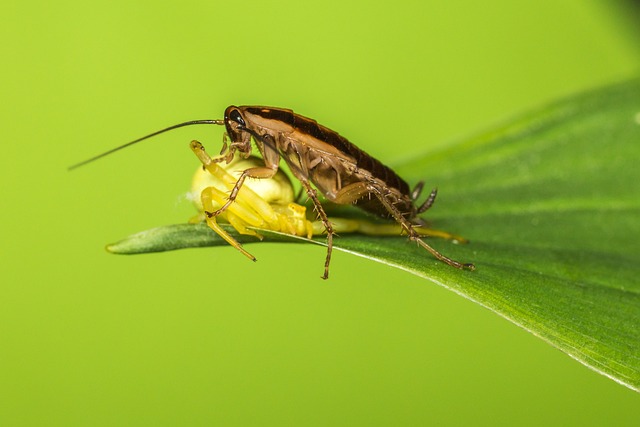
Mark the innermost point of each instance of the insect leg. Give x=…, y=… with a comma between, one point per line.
x=413, y=234
x=325, y=221
x=357, y=190
x=258, y=172
x=271, y=159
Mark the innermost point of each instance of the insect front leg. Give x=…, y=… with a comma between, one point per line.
x=257, y=173
x=270, y=168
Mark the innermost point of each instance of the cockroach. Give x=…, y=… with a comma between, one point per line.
x=317, y=156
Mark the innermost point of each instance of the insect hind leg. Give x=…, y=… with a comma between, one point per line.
x=356, y=190
x=413, y=234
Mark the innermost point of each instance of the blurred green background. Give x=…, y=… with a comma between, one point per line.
x=204, y=337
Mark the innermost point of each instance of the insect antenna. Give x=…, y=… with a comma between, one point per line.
x=113, y=150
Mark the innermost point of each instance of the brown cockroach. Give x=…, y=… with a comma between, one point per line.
x=320, y=157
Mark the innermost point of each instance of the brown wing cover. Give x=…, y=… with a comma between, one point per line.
x=363, y=160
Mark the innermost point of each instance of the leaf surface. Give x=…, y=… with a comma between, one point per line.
x=551, y=205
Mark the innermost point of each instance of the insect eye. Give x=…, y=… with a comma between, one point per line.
x=236, y=117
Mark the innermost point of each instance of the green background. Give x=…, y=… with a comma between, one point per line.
x=204, y=337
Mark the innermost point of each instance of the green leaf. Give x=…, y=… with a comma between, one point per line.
x=551, y=205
